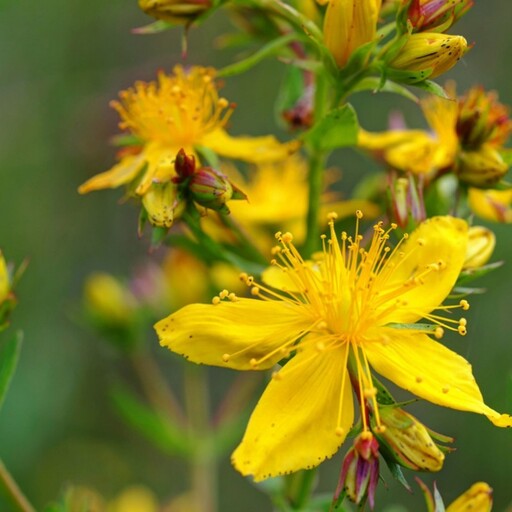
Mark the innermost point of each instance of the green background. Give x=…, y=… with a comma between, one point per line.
x=61, y=62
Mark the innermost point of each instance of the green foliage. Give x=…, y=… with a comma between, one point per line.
x=9, y=356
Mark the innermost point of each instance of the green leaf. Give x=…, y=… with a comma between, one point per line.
x=9, y=355
x=376, y=85
x=397, y=473
x=126, y=140
x=466, y=276
x=266, y=51
x=339, y=128
x=154, y=28
x=438, y=500
x=155, y=427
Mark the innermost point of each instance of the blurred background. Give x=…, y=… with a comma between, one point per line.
x=62, y=62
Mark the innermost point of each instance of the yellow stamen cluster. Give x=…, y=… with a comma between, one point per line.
x=177, y=109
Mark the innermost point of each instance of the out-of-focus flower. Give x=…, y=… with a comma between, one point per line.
x=360, y=470
x=478, y=498
x=175, y=11
x=436, y=15
x=406, y=200
x=347, y=306
x=108, y=300
x=5, y=279
x=181, y=110
x=8, y=280
x=467, y=138
x=481, y=243
x=278, y=197
x=495, y=205
x=348, y=25
x=134, y=499
x=407, y=441
x=429, y=53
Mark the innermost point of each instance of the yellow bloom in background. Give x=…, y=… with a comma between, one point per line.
x=478, y=498
x=343, y=310
x=134, y=499
x=277, y=195
x=180, y=110
x=175, y=11
x=5, y=279
x=430, y=53
x=348, y=25
x=495, y=205
x=481, y=244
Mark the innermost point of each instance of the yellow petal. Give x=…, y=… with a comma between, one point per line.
x=245, y=329
x=438, y=239
x=250, y=149
x=431, y=371
x=294, y=425
x=121, y=174
x=492, y=205
x=478, y=498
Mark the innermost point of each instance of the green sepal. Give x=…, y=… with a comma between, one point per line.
x=432, y=88
x=375, y=85
x=154, y=28
x=126, y=140
x=9, y=356
x=408, y=76
x=358, y=60
x=397, y=473
x=438, y=501
x=384, y=397
x=155, y=427
x=339, y=128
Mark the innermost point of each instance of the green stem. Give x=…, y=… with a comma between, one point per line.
x=317, y=161
x=156, y=387
x=301, y=488
x=13, y=492
x=203, y=470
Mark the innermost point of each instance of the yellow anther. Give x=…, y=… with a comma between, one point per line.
x=463, y=321
x=255, y=290
x=464, y=304
x=275, y=250
x=322, y=325
x=232, y=297
x=332, y=216
x=287, y=237
x=320, y=346
x=222, y=103
x=340, y=432
x=442, y=264
x=223, y=294
x=278, y=235
x=462, y=330
x=406, y=236
x=439, y=332
x=249, y=280
x=359, y=214
x=445, y=390
x=394, y=225
x=419, y=379
x=243, y=276
x=380, y=429
x=421, y=242
x=253, y=362
x=216, y=300
x=225, y=357
x=366, y=435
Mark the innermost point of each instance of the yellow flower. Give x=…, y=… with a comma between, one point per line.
x=134, y=499
x=478, y=498
x=430, y=53
x=348, y=25
x=436, y=15
x=349, y=311
x=175, y=11
x=5, y=279
x=495, y=205
x=178, y=111
x=278, y=198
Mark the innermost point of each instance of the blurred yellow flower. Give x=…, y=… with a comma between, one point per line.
x=134, y=499
x=5, y=279
x=478, y=498
x=180, y=110
x=495, y=205
x=344, y=310
x=481, y=243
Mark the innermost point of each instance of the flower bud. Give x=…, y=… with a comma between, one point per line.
x=436, y=15
x=175, y=11
x=107, y=300
x=348, y=25
x=163, y=204
x=212, y=189
x=7, y=298
x=481, y=243
x=481, y=168
x=360, y=470
x=431, y=54
x=5, y=279
x=407, y=442
x=478, y=498
x=406, y=200
x=184, y=165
